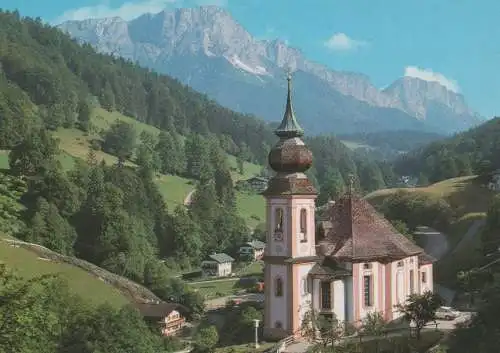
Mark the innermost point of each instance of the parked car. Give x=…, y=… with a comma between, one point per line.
x=447, y=313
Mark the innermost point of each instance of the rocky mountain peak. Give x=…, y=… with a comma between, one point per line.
x=416, y=94
x=207, y=48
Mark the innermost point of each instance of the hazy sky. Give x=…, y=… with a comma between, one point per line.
x=456, y=42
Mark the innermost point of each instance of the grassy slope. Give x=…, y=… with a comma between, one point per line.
x=466, y=196
x=470, y=200
x=29, y=264
x=174, y=189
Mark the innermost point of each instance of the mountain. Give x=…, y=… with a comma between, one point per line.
x=205, y=48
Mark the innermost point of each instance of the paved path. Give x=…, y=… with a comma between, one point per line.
x=434, y=243
x=189, y=197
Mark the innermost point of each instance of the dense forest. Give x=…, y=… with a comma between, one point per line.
x=389, y=145
x=475, y=151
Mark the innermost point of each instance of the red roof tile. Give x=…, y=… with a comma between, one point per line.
x=358, y=232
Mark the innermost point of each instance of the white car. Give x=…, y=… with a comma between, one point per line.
x=447, y=313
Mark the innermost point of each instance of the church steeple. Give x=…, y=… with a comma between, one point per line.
x=289, y=127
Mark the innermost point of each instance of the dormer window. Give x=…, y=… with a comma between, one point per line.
x=303, y=225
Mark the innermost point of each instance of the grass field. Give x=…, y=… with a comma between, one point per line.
x=252, y=208
x=4, y=159
x=217, y=288
x=28, y=264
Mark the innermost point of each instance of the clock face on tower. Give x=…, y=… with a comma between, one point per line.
x=278, y=236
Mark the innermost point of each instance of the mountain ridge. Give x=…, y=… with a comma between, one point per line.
x=207, y=49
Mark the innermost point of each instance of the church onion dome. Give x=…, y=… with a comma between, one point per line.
x=290, y=155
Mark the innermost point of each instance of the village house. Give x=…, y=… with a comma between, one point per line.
x=169, y=318
x=252, y=250
x=217, y=265
x=350, y=263
x=256, y=183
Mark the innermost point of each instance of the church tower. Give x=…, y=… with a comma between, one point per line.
x=291, y=246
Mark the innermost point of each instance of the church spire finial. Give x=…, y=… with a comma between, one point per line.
x=289, y=126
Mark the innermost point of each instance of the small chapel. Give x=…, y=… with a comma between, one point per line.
x=350, y=263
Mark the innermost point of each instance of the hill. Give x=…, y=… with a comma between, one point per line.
x=389, y=144
x=469, y=199
x=238, y=70
x=466, y=195
x=88, y=281
x=475, y=151
x=174, y=189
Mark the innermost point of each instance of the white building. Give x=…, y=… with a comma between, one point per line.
x=356, y=263
x=218, y=265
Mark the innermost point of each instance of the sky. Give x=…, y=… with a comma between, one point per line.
x=454, y=42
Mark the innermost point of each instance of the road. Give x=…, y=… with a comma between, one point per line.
x=434, y=243
x=220, y=302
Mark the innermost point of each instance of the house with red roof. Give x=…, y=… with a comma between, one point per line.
x=351, y=263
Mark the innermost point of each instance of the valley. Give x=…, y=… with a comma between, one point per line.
x=135, y=159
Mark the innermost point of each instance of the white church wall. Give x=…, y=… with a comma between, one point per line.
x=278, y=305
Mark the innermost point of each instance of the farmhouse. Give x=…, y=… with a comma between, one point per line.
x=169, y=318
x=350, y=263
x=218, y=265
x=252, y=250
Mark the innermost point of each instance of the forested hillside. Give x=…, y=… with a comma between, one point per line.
x=113, y=214
x=389, y=144
x=476, y=151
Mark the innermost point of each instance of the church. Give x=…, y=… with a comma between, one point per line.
x=350, y=263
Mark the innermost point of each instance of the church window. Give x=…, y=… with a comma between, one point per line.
x=424, y=277
x=278, y=325
x=278, y=219
x=303, y=225
x=305, y=287
x=278, y=290
x=326, y=295
x=367, y=290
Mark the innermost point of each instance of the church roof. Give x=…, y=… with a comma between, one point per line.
x=356, y=231
x=329, y=268
x=426, y=259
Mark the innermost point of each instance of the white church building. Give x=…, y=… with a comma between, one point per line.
x=351, y=263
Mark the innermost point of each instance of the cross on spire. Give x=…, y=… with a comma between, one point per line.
x=289, y=126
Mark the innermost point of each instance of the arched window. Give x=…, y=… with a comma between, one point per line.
x=278, y=290
x=303, y=225
x=278, y=325
x=278, y=220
